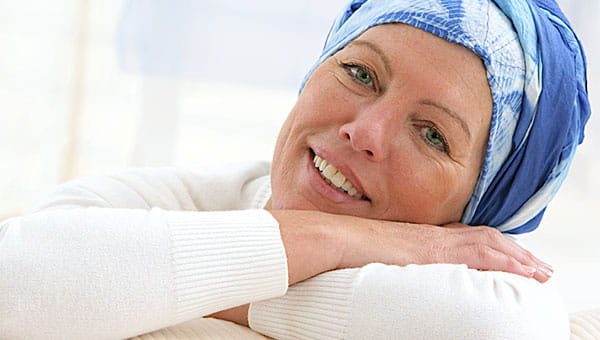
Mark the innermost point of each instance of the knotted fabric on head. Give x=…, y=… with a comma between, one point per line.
x=536, y=71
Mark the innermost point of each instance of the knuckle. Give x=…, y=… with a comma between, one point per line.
x=491, y=234
x=479, y=231
x=529, y=256
x=488, y=235
x=512, y=264
x=482, y=252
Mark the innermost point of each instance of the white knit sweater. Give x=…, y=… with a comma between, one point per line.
x=111, y=257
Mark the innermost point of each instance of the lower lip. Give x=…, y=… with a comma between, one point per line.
x=326, y=190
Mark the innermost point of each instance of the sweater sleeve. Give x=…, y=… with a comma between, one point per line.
x=114, y=257
x=437, y=301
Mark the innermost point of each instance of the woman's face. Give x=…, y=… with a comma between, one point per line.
x=400, y=118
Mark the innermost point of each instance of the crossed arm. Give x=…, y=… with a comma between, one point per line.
x=96, y=242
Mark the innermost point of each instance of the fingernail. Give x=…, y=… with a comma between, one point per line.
x=530, y=270
x=546, y=270
x=546, y=265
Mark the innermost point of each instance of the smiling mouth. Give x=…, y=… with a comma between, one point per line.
x=336, y=179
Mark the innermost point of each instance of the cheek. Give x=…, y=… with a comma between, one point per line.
x=450, y=193
x=326, y=99
x=430, y=191
x=434, y=183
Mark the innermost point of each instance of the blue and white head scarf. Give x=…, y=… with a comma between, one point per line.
x=536, y=71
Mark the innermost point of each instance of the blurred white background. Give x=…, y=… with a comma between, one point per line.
x=94, y=86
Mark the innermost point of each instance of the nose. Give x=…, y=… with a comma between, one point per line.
x=369, y=133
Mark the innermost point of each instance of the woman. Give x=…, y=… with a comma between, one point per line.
x=418, y=115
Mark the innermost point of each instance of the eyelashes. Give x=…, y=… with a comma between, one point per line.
x=361, y=75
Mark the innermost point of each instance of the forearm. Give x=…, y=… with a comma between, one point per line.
x=439, y=301
x=69, y=273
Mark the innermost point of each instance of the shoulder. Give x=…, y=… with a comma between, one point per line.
x=226, y=187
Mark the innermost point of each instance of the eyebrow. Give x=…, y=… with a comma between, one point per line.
x=451, y=113
x=377, y=50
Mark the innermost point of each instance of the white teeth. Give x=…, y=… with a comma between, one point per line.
x=318, y=161
x=323, y=165
x=347, y=185
x=353, y=192
x=338, y=179
x=329, y=171
x=335, y=178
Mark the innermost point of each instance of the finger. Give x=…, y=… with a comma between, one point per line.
x=486, y=258
x=496, y=240
x=544, y=273
x=543, y=270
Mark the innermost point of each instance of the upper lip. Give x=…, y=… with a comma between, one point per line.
x=341, y=167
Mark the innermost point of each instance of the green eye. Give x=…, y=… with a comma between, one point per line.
x=363, y=76
x=360, y=74
x=436, y=139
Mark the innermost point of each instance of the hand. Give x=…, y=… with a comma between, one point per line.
x=316, y=242
x=480, y=247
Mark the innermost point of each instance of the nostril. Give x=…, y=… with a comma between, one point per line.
x=369, y=152
x=346, y=135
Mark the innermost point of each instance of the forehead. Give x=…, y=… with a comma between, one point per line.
x=398, y=39
x=413, y=56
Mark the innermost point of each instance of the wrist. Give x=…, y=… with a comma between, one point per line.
x=238, y=315
x=314, y=242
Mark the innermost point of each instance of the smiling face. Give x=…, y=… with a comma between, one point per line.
x=392, y=127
